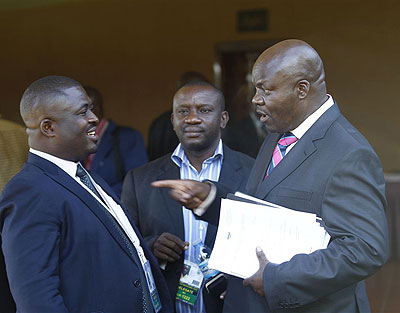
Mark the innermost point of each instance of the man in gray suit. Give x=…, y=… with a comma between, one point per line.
x=314, y=161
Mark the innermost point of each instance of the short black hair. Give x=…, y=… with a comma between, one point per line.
x=221, y=98
x=42, y=90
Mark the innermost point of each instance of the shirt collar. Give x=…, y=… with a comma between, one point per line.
x=179, y=156
x=67, y=166
x=300, y=130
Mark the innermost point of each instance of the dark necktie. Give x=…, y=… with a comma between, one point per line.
x=84, y=177
x=280, y=150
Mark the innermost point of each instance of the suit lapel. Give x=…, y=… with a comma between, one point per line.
x=303, y=149
x=62, y=178
x=174, y=209
x=300, y=152
x=261, y=164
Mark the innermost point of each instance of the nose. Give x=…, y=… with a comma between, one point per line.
x=192, y=118
x=257, y=99
x=93, y=119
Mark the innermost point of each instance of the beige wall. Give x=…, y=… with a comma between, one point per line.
x=134, y=52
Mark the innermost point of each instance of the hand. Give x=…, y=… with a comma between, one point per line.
x=169, y=247
x=189, y=193
x=256, y=281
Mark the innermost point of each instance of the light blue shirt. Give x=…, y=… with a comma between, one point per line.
x=195, y=230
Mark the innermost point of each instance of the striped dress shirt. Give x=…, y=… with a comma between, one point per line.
x=195, y=230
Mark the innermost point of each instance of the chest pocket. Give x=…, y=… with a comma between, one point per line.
x=297, y=199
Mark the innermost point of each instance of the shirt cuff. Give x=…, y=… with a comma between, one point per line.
x=202, y=208
x=163, y=265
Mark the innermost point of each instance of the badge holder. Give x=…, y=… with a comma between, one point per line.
x=155, y=298
x=189, y=286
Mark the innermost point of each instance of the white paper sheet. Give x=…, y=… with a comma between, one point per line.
x=280, y=232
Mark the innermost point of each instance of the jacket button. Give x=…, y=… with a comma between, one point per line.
x=136, y=283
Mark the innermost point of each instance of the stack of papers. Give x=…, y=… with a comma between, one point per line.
x=247, y=222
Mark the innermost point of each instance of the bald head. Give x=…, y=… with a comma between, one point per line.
x=290, y=84
x=296, y=60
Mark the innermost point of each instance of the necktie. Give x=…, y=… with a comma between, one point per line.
x=84, y=177
x=280, y=150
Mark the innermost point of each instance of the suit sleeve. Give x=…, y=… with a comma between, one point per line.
x=353, y=209
x=211, y=215
x=129, y=200
x=31, y=227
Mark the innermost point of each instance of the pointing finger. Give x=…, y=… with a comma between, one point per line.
x=168, y=183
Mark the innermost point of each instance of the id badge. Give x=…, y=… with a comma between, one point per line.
x=189, y=283
x=155, y=298
x=204, y=253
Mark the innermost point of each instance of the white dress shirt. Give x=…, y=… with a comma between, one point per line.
x=111, y=206
x=300, y=130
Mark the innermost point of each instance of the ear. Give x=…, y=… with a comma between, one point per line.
x=303, y=88
x=224, y=119
x=47, y=127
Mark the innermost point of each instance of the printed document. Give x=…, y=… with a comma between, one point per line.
x=247, y=222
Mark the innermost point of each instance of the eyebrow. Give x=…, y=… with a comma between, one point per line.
x=85, y=105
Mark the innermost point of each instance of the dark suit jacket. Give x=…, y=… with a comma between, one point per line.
x=331, y=171
x=62, y=251
x=132, y=153
x=154, y=212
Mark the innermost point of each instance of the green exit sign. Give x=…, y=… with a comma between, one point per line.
x=252, y=20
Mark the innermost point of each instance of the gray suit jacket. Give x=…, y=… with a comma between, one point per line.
x=331, y=171
x=154, y=212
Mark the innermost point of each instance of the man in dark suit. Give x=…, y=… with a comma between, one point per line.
x=170, y=230
x=119, y=149
x=313, y=161
x=67, y=242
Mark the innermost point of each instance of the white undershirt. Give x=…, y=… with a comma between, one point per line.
x=112, y=207
x=300, y=130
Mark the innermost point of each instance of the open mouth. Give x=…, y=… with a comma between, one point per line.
x=91, y=133
x=262, y=115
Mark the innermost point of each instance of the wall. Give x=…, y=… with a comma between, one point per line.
x=134, y=52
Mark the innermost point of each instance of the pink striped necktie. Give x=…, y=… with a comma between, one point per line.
x=280, y=150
